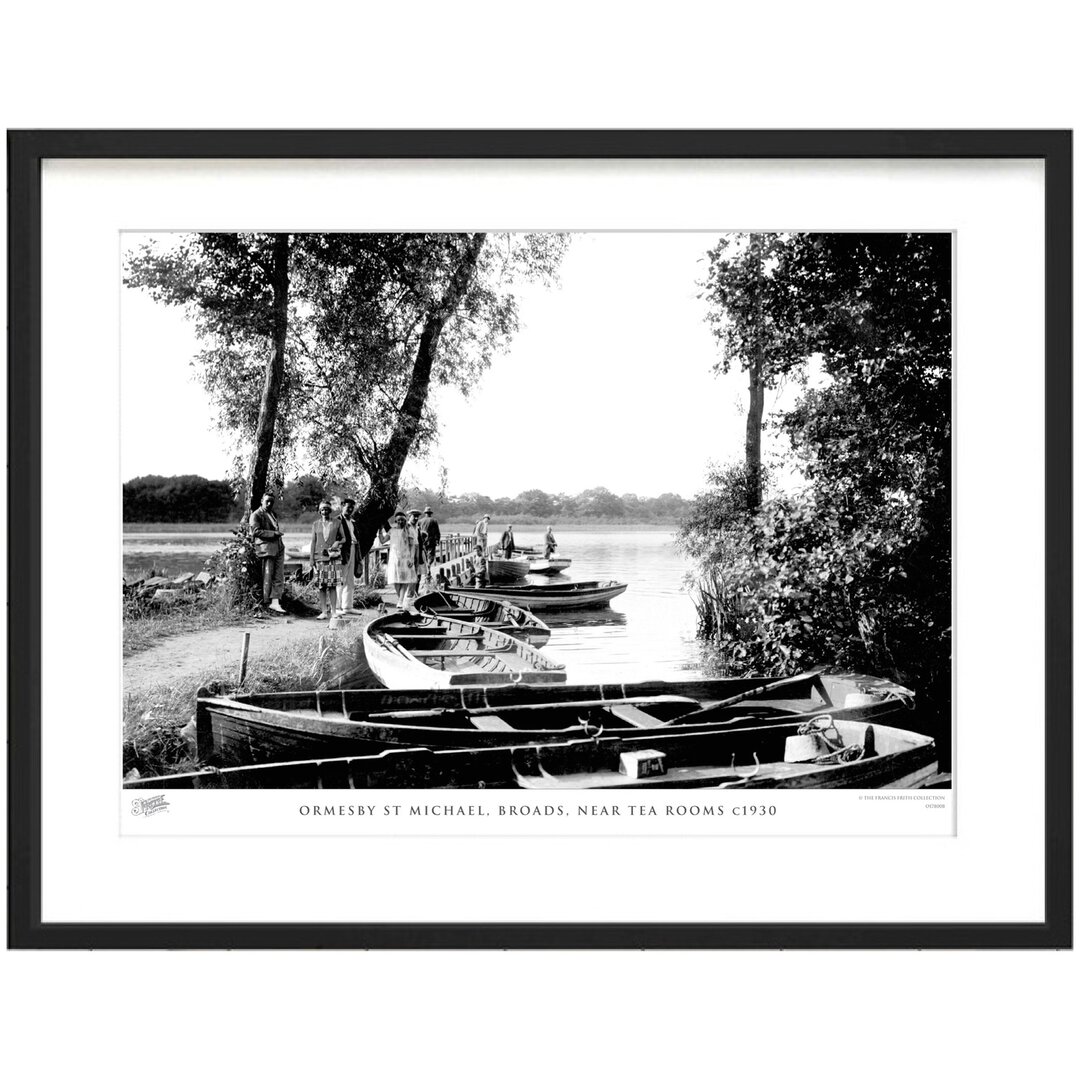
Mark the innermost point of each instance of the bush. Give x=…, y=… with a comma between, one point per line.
x=239, y=571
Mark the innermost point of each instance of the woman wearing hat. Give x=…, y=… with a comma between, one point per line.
x=402, y=565
x=328, y=540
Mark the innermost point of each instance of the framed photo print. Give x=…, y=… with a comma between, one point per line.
x=540, y=539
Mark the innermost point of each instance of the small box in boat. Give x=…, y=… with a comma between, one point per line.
x=641, y=763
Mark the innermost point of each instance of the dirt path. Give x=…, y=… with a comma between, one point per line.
x=188, y=655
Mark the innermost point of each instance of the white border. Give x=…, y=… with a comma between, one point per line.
x=88, y=874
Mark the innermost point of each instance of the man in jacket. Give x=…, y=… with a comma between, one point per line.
x=270, y=549
x=348, y=557
x=430, y=535
x=506, y=542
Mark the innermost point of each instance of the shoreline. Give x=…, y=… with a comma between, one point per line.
x=222, y=528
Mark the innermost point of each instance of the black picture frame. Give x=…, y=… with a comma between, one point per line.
x=26, y=152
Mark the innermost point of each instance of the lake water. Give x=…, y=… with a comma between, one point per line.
x=648, y=632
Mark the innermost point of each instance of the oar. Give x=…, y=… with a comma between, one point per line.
x=756, y=692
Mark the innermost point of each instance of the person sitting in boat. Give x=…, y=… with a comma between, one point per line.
x=549, y=543
x=328, y=539
x=479, y=567
x=402, y=565
x=442, y=582
x=506, y=542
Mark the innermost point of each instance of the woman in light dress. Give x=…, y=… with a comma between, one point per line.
x=402, y=566
x=328, y=538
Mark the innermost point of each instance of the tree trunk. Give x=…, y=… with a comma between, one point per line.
x=754, y=416
x=756, y=411
x=382, y=497
x=275, y=371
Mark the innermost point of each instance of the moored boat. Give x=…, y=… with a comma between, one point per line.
x=292, y=726
x=853, y=754
x=513, y=569
x=406, y=650
x=554, y=565
x=565, y=596
x=833, y=753
x=486, y=611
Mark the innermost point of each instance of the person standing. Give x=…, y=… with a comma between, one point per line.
x=430, y=535
x=327, y=540
x=348, y=558
x=481, y=531
x=549, y=543
x=401, y=565
x=506, y=542
x=270, y=550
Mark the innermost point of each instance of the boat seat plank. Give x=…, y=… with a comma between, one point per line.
x=437, y=637
x=491, y=722
x=639, y=718
x=461, y=654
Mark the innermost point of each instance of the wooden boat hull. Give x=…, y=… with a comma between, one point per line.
x=499, y=614
x=293, y=726
x=574, y=596
x=548, y=566
x=744, y=758
x=405, y=650
x=508, y=569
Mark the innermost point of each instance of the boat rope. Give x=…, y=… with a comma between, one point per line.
x=905, y=697
x=838, y=753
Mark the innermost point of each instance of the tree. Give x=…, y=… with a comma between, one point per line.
x=177, y=498
x=755, y=317
x=236, y=288
x=536, y=502
x=373, y=322
x=855, y=569
x=390, y=316
x=599, y=502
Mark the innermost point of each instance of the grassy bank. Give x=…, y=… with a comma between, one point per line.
x=158, y=735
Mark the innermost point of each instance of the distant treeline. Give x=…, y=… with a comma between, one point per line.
x=193, y=498
x=178, y=498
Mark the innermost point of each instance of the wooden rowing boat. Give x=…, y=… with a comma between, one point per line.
x=256, y=728
x=497, y=614
x=406, y=650
x=853, y=754
x=514, y=569
x=866, y=756
x=565, y=596
x=540, y=565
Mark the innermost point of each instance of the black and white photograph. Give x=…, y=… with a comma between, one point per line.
x=536, y=511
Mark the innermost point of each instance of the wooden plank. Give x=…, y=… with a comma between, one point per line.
x=461, y=653
x=631, y=714
x=491, y=722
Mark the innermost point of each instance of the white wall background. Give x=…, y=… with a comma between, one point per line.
x=558, y=64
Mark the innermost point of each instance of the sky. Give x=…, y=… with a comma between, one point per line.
x=609, y=382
